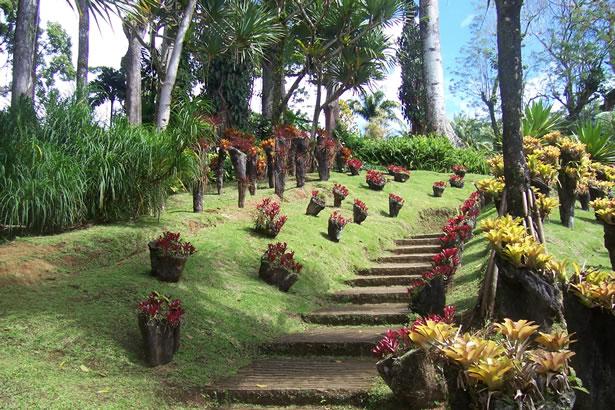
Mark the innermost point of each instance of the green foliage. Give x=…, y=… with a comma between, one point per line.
x=54, y=59
x=538, y=119
x=599, y=144
x=432, y=153
x=110, y=85
x=476, y=133
x=63, y=170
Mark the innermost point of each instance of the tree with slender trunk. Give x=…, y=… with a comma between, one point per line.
x=433, y=73
x=164, y=101
x=83, y=49
x=25, y=50
x=131, y=63
x=510, y=72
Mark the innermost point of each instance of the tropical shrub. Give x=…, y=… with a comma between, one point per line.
x=538, y=119
x=598, y=144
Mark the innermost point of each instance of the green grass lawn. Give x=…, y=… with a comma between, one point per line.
x=67, y=302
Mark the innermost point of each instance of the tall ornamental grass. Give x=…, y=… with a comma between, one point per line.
x=62, y=169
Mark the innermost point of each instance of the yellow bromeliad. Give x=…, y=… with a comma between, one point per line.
x=552, y=138
x=496, y=165
x=431, y=333
x=519, y=331
x=550, y=362
x=531, y=145
x=545, y=204
x=539, y=169
x=549, y=155
x=490, y=186
x=595, y=286
x=554, y=341
x=468, y=349
x=491, y=371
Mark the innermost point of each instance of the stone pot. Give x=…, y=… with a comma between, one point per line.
x=358, y=215
x=167, y=268
x=430, y=298
x=567, y=198
x=314, y=207
x=376, y=187
x=394, y=208
x=160, y=339
x=609, y=242
x=414, y=379
x=400, y=176
x=457, y=184
x=438, y=191
x=594, y=359
x=334, y=231
x=525, y=294
x=277, y=275
x=337, y=200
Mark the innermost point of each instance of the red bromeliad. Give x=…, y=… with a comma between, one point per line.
x=161, y=309
x=277, y=255
x=338, y=219
x=455, y=178
x=171, y=244
x=375, y=177
x=268, y=218
x=340, y=190
x=397, y=169
x=396, y=198
x=354, y=163
x=458, y=169
x=439, y=184
x=361, y=205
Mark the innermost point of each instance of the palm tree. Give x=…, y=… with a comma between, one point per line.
x=374, y=106
x=109, y=86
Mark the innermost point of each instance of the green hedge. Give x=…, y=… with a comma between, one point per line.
x=430, y=153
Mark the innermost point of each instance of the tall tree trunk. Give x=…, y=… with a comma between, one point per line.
x=239, y=160
x=493, y=119
x=83, y=50
x=267, y=91
x=132, y=66
x=164, y=103
x=278, y=79
x=332, y=113
x=510, y=72
x=432, y=71
x=25, y=49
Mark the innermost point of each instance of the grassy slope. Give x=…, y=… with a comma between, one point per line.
x=82, y=312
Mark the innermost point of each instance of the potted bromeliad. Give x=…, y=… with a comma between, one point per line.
x=459, y=170
x=359, y=211
x=336, y=224
x=429, y=292
x=605, y=212
x=375, y=180
x=340, y=192
x=159, y=320
x=317, y=203
x=396, y=202
x=268, y=219
x=168, y=255
x=400, y=174
x=278, y=266
x=456, y=181
x=354, y=166
x=438, y=188
x=545, y=204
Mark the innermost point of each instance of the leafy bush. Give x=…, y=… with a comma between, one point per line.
x=598, y=143
x=64, y=169
x=431, y=153
x=538, y=120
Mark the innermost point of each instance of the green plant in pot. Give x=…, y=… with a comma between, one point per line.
x=359, y=211
x=278, y=266
x=438, y=188
x=159, y=320
x=317, y=203
x=168, y=256
x=336, y=224
x=375, y=180
x=396, y=202
x=340, y=192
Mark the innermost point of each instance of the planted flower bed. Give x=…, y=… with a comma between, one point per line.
x=438, y=188
x=400, y=174
x=340, y=192
x=354, y=166
x=159, y=320
x=168, y=255
x=278, y=267
x=316, y=204
x=375, y=180
x=268, y=219
x=396, y=202
x=336, y=224
x=359, y=211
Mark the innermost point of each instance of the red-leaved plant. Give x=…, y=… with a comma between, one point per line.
x=355, y=164
x=375, y=177
x=161, y=309
x=268, y=219
x=396, y=198
x=455, y=178
x=439, y=184
x=318, y=196
x=444, y=264
x=395, y=169
x=459, y=170
x=171, y=244
x=278, y=255
x=397, y=342
x=361, y=205
x=340, y=191
x=337, y=219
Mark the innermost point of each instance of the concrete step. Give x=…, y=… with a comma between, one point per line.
x=328, y=341
x=396, y=269
x=380, y=280
x=411, y=258
x=356, y=315
x=427, y=235
x=372, y=294
x=414, y=249
x=298, y=381
x=418, y=241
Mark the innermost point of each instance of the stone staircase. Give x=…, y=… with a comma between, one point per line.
x=331, y=363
